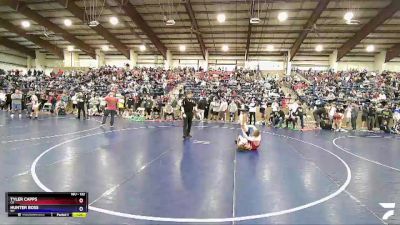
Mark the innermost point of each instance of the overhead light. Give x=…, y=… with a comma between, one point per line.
x=93, y=23
x=67, y=22
x=142, y=48
x=348, y=16
x=170, y=22
x=282, y=16
x=25, y=24
x=114, y=20
x=182, y=48
x=221, y=17
x=319, y=48
x=255, y=20
x=70, y=48
x=225, y=48
x=270, y=48
x=352, y=22
x=105, y=48
x=370, y=48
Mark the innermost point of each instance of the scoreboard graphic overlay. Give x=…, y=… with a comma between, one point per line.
x=47, y=204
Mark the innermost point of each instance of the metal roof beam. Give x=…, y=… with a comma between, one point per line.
x=246, y=54
x=310, y=23
x=392, y=53
x=20, y=48
x=22, y=8
x=368, y=28
x=195, y=26
x=107, y=35
x=39, y=42
x=134, y=15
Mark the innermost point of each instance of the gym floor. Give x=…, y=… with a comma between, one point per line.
x=145, y=173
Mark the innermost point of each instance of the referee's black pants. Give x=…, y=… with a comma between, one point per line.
x=187, y=124
x=81, y=108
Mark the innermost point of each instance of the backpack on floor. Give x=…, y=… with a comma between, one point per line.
x=61, y=112
x=325, y=126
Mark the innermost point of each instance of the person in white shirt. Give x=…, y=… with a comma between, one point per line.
x=263, y=109
x=275, y=106
x=331, y=96
x=74, y=100
x=35, y=106
x=382, y=96
x=396, y=114
x=215, y=106
x=168, y=111
x=332, y=111
x=293, y=106
x=232, y=110
x=252, y=111
x=3, y=99
x=222, y=109
x=347, y=114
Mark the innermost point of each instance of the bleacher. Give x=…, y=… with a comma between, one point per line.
x=358, y=91
x=234, y=88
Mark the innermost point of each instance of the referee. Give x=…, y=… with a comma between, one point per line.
x=188, y=105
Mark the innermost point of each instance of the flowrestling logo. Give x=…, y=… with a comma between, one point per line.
x=390, y=212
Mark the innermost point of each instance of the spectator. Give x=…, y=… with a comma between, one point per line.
x=215, y=107
x=80, y=99
x=201, y=106
x=252, y=112
x=232, y=110
x=16, y=103
x=223, y=109
x=111, y=108
x=354, y=116
x=168, y=111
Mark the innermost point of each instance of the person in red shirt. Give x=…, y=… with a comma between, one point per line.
x=111, y=108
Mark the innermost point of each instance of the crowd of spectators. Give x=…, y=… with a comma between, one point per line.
x=151, y=93
x=340, y=98
x=336, y=99
x=69, y=89
x=224, y=94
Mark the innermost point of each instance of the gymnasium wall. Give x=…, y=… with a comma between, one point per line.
x=310, y=62
x=195, y=61
x=358, y=63
x=121, y=61
x=393, y=65
x=10, y=59
x=347, y=63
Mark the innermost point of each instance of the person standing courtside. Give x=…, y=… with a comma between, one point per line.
x=111, y=108
x=354, y=115
x=188, y=105
x=201, y=106
x=16, y=103
x=81, y=99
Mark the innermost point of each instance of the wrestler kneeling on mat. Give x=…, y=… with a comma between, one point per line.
x=250, y=139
